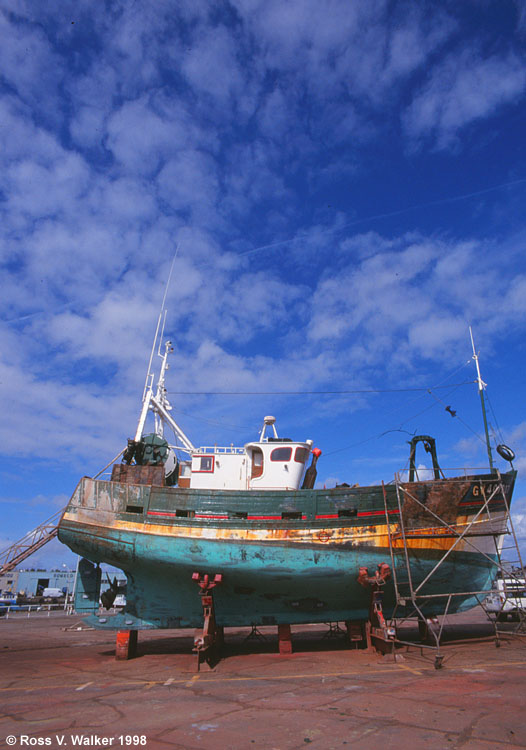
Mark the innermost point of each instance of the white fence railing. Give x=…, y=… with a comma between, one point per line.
x=33, y=609
x=45, y=610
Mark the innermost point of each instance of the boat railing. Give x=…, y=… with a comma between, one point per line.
x=229, y=449
x=425, y=474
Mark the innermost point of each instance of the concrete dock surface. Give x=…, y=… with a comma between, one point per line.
x=62, y=687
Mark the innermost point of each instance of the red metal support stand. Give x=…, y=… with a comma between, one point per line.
x=379, y=635
x=212, y=635
x=126, y=645
x=284, y=639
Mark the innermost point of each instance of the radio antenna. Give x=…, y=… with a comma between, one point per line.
x=162, y=313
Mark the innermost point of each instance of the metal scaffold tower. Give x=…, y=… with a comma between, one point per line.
x=489, y=533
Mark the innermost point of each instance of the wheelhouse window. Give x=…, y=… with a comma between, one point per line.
x=205, y=464
x=301, y=455
x=281, y=454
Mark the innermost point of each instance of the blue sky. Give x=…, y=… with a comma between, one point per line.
x=346, y=183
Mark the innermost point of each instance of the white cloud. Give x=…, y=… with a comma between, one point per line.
x=21, y=138
x=275, y=115
x=436, y=333
x=250, y=178
x=75, y=263
x=210, y=65
x=123, y=201
x=517, y=295
x=461, y=90
x=521, y=14
x=30, y=65
x=516, y=439
x=421, y=293
x=378, y=294
x=469, y=446
x=38, y=191
x=93, y=96
x=145, y=132
x=412, y=41
x=188, y=183
x=358, y=48
x=59, y=419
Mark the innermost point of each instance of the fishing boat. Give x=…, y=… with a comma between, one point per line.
x=249, y=523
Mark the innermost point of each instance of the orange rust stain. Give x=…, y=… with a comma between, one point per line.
x=431, y=537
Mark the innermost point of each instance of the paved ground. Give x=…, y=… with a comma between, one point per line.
x=61, y=688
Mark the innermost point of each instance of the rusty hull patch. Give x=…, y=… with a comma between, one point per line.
x=441, y=498
x=134, y=474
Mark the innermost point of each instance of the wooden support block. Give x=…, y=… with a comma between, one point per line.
x=284, y=639
x=126, y=644
x=355, y=631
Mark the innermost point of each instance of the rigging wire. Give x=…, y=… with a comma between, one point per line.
x=466, y=425
x=422, y=391
x=354, y=445
x=316, y=393
x=237, y=427
x=499, y=432
x=381, y=434
x=436, y=387
x=439, y=385
x=428, y=408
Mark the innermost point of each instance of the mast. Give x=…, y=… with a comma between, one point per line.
x=482, y=386
x=159, y=403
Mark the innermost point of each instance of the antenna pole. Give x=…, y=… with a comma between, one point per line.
x=148, y=383
x=482, y=386
x=159, y=403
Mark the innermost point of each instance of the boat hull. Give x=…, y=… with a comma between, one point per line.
x=286, y=557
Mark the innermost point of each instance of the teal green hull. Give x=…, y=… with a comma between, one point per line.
x=267, y=586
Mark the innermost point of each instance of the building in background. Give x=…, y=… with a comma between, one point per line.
x=32, y=582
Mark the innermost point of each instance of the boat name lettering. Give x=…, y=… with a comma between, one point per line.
x=479, y=490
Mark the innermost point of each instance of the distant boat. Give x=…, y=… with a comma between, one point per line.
x=249, y=521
